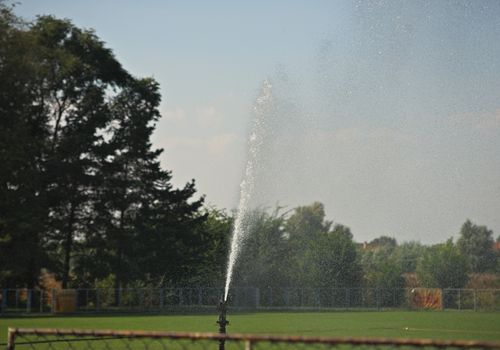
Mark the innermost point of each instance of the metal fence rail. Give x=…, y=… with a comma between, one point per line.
x=197, y=298
x=38, y=339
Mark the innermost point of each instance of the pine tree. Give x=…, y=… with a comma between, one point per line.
x=149, y=227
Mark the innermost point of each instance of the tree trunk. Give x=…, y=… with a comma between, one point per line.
x=68, y=246
x=61, y=108
x=119, y=255
x=118, y=275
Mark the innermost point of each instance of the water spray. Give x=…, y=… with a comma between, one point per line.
x=263, y=106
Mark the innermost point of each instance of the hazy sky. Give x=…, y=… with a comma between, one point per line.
x=387, y=112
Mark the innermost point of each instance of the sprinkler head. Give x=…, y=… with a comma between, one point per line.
x=222, y=322
x=222, y=316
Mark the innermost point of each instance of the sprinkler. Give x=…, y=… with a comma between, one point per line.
x=222, y=322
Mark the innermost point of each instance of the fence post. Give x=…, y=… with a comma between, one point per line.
x=495, y=305
x=86, y=299
x=257, y=297
x=347, y=298
x=408, y=298
x=141, y=299
x=377, y=296
x=11, y=339
x=475, y=300
x=120, y=296
x=53, y=301
x=237, y=292
x=248, y=344
x=200, y=296
x=28, y=301
x=97, y=299
x=459, y=299
x=3, y=308
x=162, y=298
x=180, y=296
x=41, y=300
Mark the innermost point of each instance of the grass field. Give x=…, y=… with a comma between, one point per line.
x=394, y=324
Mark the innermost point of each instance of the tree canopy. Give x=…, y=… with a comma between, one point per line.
x=476, y=244
x=82, y=191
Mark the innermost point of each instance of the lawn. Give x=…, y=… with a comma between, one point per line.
x=397, y=324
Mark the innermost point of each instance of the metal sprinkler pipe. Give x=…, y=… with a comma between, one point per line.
x=222, y=322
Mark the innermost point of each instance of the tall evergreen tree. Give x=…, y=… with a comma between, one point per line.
x=149, y=227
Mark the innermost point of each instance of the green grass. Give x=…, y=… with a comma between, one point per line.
x=394, y=324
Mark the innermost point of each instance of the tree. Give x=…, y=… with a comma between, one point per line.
x=320, y=255
x=384, y=241
x=217, y=231
x=57, y=78
x=382, y=269
x=149, y=228
x=23, y=131
x=442, y=266
x=75, y=75
x=306, y=222
x=476, y=244
x=407, y=254
x=81, y=189
x=331, y=260
x=264, y=259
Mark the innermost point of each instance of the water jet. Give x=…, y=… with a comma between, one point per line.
x=262, y=108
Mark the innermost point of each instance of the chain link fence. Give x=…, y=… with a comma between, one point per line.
x=204, y=298
x=471, y=299
x=55, y=339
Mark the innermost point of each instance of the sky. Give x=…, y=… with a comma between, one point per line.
x=386, y=112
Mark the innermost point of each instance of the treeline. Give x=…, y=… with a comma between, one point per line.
x=83, y=196
x=302, y=249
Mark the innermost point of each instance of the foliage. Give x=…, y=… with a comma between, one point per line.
x=284, y=251
x=23, y=133
x=383, y=268
x=306, y=223
x=442, y=266
x=303, y=228
x=264, y=261
x=476, y=244
x=82, y=192
x=407, y=255
x=217, y=231
x=331, y=260
x=384, y=241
